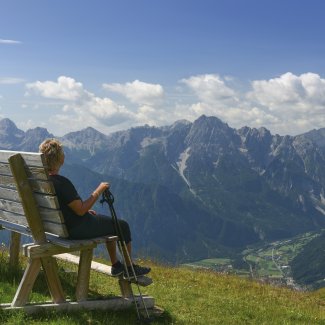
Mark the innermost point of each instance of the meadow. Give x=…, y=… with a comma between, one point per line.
x=186, y=296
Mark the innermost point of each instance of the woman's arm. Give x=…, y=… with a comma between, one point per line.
x=80, y=207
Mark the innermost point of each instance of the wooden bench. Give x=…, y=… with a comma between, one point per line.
x=29, y=206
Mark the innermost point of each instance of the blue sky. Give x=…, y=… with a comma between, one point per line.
x=67, y=65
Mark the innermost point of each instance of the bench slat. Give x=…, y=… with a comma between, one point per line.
x=41, y=186
x=8, y=181
x=113, y=303
x=5, y=169
x=101, y=268
x=45, y=201
x=31, y=158
x=68, y=243
x=11, y=206
x=50, y=215
x=33, y=172
x=13, y=218
x=58, y=245
x=57, y=228
x=9, y=194
x=24, y=230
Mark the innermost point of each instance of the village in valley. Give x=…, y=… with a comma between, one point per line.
x=268, y=263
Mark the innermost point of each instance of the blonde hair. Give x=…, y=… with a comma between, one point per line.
x=53, y=152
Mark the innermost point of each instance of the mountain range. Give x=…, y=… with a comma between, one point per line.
x=201, y=189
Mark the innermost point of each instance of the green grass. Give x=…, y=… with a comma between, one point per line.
x=187, y=296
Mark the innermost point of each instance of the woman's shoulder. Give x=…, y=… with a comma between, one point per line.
x=59, y=178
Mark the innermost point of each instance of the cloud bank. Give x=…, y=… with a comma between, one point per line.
x=287, y=104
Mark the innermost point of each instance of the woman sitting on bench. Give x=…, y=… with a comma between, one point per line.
x=81, y=221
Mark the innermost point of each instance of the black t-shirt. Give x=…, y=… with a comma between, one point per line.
x=66, y=193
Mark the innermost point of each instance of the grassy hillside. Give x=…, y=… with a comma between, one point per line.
x=308, y=267
x=187, y=297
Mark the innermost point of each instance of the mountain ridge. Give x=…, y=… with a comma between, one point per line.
x=207, y=188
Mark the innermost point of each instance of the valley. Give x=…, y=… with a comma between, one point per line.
x=268, y=262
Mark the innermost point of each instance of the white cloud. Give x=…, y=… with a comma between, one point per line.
x=9, y=41
x=10, y=81
x=138, y=92
x=211, y=88
x=299, y=92
x=288, y=104
x=298, y=102
x=80, y=108
x=65, y=88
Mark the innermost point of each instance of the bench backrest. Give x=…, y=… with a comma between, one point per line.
x=13, y=208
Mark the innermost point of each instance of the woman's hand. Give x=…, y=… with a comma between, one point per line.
x=81, y=207
x=100, y=189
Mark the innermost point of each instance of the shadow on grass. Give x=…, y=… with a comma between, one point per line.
x=40, y=293
x=100, y=317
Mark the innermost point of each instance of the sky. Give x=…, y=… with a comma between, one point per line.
x=112, y=65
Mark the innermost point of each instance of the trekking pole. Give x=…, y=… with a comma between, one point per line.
x=108, y=197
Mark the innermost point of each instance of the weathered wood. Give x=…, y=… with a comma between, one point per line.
x=31, y=158
x=33, y=172
x=30, y=206
x=11, y=206
x=24, y=230
x=125, y=287
x=14, y=249
x=52, y=215
x=43, y=200
x=40, y=186
x=29, y=203
x=113, y=303
x=26, y=283
x=101, y=268
x=86, y=256
x=50, y=249
x=53, y=282
x=83, y=243
x=8, y=181
x=9, y=194
x=58, y=245
x=13, y=218
x=48, y=225
x=47, y=201
x=5, y=168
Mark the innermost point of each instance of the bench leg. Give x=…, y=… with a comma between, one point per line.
x=14, y=248
x=50, y=268
x=26, y=283
x=86, y=256
x=125, y=287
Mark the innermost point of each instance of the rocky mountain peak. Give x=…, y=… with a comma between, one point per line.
x=316, y=136
x=33, y=137
x=8, y=127
x=86, y=139
x=10, y=135
x=210, y=130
